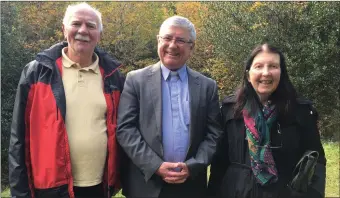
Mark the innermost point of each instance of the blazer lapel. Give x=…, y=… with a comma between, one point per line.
x=194, y=97
x=155, y=83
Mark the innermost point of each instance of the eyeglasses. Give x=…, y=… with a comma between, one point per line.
x=178, y=41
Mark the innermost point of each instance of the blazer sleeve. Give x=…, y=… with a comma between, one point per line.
x=208, y=146
x=128, y=134
x=18, y=175
x=311, y=141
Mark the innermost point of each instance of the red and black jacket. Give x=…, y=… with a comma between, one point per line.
x=39, y=153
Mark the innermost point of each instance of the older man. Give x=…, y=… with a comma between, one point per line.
x=168, y=120
x=62, y=141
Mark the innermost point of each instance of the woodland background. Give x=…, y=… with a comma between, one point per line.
x=307, y=32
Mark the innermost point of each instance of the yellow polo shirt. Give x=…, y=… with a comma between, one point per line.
x=85, y=120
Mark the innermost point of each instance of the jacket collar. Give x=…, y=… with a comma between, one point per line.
x=50, y=55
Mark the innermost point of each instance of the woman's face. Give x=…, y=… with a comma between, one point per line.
x=264, y=74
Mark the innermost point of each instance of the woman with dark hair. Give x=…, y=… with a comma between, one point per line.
x=267, y=130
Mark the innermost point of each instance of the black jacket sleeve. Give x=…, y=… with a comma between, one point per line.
x=310, y=140
x=220, y=161
x=18, y=178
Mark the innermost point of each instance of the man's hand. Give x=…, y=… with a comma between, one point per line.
x=173, y=173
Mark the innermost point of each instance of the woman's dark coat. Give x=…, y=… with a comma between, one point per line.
x=231, y=176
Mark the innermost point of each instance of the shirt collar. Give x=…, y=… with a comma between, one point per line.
x=182, y=72
x=67, y=62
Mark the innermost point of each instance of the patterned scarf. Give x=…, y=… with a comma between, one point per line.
x=258, y=135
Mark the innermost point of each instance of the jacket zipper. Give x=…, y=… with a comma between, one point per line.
x=107, y=87
x=113, y=106
x=109, y=90
x=57, y=111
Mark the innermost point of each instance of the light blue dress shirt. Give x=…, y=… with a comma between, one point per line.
x=176, y=118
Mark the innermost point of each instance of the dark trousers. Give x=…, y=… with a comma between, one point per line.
x=187, y=189
x=96, y=191
x=180, y=191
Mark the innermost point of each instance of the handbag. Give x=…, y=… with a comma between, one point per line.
x=304, y=171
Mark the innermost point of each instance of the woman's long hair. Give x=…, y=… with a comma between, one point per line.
x=284, y=97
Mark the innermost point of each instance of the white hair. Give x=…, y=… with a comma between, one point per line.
x=179, y=21
x=71, y=9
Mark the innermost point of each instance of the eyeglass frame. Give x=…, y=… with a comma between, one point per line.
x=178, y=41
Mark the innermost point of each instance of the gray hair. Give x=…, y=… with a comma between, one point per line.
x=179, y=21
x=71, y=9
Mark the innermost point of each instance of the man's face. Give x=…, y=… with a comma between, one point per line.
x=174, y=47
x=82, y=32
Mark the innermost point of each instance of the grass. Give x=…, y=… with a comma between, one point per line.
x=332, y=174
x=332, y=169
x=5, y=193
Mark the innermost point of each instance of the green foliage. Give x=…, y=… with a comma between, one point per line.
x=138, y=65
x=12, y=55
x=217, y=69
x=130, y=29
